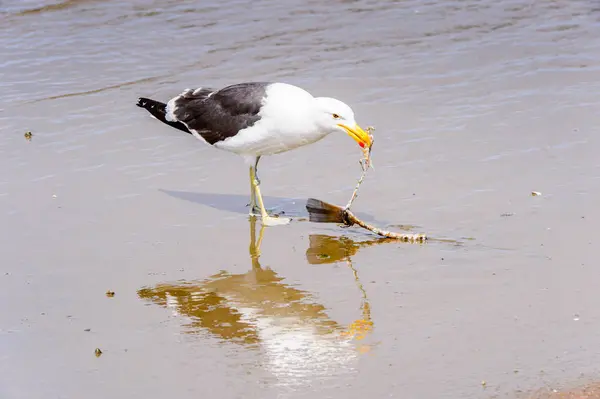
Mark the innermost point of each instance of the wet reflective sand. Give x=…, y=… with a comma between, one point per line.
x=476, y=104
x=257, y=309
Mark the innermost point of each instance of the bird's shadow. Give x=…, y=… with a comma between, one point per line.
x=290, y=207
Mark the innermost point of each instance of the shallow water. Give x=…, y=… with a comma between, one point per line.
x=476, y=104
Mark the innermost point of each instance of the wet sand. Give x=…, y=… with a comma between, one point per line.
x=475, y=104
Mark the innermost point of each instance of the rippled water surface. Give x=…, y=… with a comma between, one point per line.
x=476, y=104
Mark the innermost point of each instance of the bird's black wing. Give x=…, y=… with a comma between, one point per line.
x=217, y=115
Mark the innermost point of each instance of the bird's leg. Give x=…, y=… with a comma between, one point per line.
x=252, y=204
x=266, y=219
x=254, y=209
x=256, y=191
x=256, y=171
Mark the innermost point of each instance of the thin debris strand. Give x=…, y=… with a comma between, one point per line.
x=323, y=212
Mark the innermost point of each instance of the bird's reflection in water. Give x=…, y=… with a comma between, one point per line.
x=258, y=309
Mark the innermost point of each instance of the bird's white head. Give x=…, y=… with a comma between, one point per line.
x=335, y=115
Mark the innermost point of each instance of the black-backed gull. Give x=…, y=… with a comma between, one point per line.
x=255, y=119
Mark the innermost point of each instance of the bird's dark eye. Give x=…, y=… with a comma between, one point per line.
x=336, y=116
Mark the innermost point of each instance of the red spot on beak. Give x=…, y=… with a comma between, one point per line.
x=362, y=145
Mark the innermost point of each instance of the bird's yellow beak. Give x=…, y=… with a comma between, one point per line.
x=358, y=134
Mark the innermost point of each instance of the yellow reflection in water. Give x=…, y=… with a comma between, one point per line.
x=235, y=307
x=259, y=309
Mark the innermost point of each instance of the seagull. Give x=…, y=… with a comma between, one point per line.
x=255, y=119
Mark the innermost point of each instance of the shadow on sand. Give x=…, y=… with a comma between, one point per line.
x=289, y=207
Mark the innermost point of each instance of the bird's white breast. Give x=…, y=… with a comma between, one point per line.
x=287, y=122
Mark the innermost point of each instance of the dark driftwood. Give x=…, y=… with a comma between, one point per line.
x=324, y=212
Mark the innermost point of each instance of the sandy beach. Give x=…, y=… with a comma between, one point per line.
x=476, y=105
